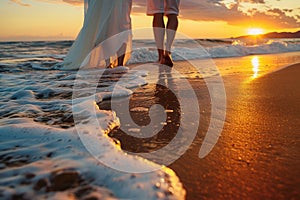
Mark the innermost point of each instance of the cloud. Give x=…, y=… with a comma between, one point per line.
x=20, y=2
x=233, y=12
x=74, y=2
x=253, y=1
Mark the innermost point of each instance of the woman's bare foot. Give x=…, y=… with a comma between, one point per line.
x=110, y=66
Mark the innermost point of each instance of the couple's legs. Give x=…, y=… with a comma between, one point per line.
x=159, y=33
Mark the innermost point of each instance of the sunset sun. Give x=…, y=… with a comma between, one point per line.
x=255, y=31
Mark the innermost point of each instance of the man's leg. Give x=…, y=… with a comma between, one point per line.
x=159, y=34
x=171, y=31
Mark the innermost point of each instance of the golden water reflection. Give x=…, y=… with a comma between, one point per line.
x=255, y=66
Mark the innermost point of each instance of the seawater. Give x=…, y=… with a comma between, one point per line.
x=145, y=51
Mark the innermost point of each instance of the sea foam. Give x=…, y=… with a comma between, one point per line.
x=39, y=161
x=42, y=154
x=195, y=50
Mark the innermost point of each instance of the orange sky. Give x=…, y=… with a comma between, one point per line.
x=59, y=20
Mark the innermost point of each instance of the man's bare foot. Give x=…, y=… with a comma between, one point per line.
x=161, y=60
x=168, y=60
x=161, y=55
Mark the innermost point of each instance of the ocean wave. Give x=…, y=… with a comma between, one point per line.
x=144, y=51
x=218, y=50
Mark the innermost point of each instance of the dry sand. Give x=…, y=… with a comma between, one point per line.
x=257, y=155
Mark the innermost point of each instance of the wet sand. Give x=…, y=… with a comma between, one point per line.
x=257, y=155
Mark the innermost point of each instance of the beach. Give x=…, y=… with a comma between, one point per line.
x=46, y=113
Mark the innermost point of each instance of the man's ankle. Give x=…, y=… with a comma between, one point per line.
x=168, y=53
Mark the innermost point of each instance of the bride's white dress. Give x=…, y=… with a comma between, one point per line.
x=107, y=26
